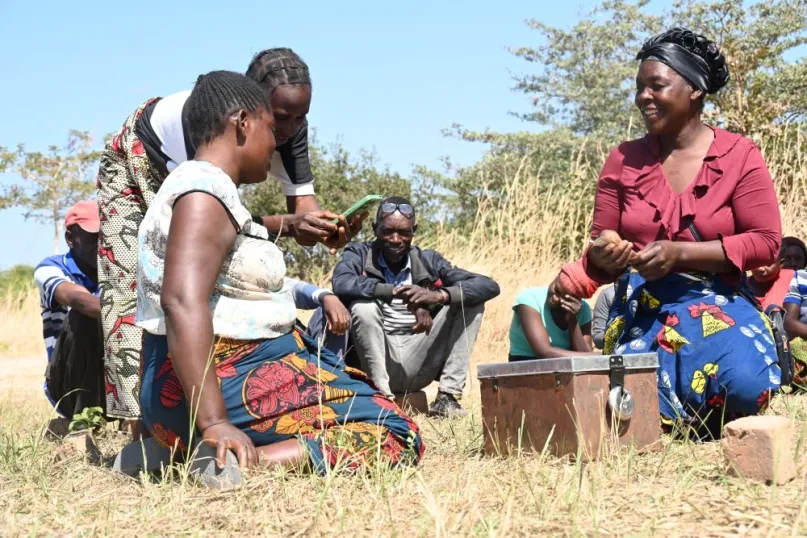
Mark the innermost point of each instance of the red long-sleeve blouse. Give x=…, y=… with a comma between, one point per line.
x=731, y=199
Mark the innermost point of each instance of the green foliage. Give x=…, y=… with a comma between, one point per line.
x=765, y=91
x=17, y=280
x=585, y=74
x=90, y=418
x=582, y=91
x=340, y=181
x=49, y=183
x=553, y=167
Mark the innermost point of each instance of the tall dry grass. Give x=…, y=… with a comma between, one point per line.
x=683, y=490
x=519, y=233
x=517, y=240
x=786, y=157
x=21, y=325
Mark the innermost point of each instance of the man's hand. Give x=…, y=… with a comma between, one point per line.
x=657, y=259
x=423, y=321
x=337, y=315
x=417, y=296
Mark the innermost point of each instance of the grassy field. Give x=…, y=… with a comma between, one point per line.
x=682, y=490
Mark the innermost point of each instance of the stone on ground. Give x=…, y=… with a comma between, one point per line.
x=146, y=456
x=79, y=444
x=203, y=468
x=413, y=402
x=760, y=448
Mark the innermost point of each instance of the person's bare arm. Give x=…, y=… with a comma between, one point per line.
x=305, y=221
x=78, y=298
x=302, y=204
x=296, y=205
x=793, y=326
x=201, y=235
x=580, y=336
x=538, y=338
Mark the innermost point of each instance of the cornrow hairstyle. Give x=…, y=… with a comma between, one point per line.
x=215, y=97
x=273, y=67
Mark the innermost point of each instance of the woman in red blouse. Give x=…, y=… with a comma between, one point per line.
x=689, y=208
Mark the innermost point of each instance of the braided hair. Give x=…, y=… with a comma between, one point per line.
x=215, y=97
x=273, y=67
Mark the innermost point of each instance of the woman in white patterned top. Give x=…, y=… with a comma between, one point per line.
x=212, y=294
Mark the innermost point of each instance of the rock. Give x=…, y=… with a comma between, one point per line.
x=760, y=448
x=203, y=468
x=146, y=456
x=80, y=443
x=413, y=402
x=65, y=452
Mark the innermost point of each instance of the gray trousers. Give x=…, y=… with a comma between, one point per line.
x=410, y=362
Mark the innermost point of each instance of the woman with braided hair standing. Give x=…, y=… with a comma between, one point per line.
x=153, y=141
x=680, y=215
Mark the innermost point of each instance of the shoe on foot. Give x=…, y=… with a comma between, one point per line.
x=446, y=405
x=203, y=467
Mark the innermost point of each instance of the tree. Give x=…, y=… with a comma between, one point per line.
x=582, y=92
x=765, y=92
x=586, y=73
x=340, y=180
x=49, y=183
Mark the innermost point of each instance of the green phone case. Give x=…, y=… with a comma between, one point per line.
x=360, y=206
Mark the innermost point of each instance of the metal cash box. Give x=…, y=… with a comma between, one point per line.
x=572, y=405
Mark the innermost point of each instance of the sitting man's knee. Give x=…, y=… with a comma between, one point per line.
x=364, y=311
x=467, y=310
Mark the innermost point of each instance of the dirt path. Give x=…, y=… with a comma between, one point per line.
x=22, y=373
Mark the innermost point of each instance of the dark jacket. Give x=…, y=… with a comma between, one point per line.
x=358, y=277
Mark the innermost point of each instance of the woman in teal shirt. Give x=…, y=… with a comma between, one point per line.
x=547, y=325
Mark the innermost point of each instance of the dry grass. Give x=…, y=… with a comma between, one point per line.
x=681, y=491
x=21, y=325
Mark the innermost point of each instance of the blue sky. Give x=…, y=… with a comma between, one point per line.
x=387, y=76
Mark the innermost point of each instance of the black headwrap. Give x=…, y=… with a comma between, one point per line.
x=693, y=56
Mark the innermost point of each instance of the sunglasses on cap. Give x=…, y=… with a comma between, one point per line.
x=388, y=208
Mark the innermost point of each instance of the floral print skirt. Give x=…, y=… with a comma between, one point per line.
x=127, y=183
x=280, y=389
x=716, y=351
